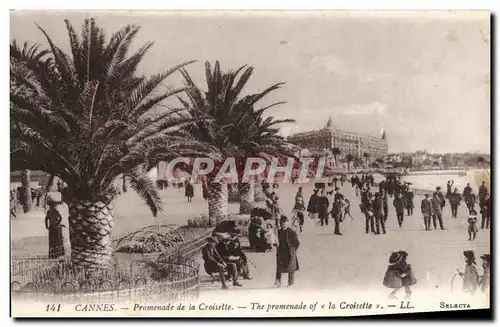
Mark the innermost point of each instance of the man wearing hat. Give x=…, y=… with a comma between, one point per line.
x=213, y=262
x=312, y=205
x=378, y=208
x=486, y=211
x=236, y=251
x=426, y=209
x=286, y=254
x=399, y=204
x=437, y=212
x=323, y=205
x=455, y=199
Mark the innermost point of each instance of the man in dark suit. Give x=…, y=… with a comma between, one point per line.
x=286, y=254
x=378, y=210
x=323, y=205
x=455, y=199
x=213, y=262
x=426, y=209
x=486, y=211
x=437, y=212
x=337, y=214
x=400, y=205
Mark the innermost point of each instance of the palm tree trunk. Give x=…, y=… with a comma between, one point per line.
x=90, y=226
x=26, y=189
x=247, y=197
x=217, y=201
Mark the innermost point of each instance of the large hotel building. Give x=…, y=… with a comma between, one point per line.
x=348, y=142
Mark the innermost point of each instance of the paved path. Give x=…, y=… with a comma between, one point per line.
x=357, y=261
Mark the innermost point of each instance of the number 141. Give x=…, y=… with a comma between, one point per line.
x=53, y=307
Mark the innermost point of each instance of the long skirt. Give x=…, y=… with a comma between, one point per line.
x=56, y=246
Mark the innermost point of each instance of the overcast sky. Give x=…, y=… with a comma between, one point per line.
x=425, y=80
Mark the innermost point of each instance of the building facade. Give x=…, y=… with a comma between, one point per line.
x=352, y=143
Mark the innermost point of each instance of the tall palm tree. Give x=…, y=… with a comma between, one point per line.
x=27, y=53
x=336, y=152
x=88, y=118
x=349, y=158
x=366, y=155
x=235, y=126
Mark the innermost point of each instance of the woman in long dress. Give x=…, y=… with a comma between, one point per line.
x=470, y=274
x=53, y=224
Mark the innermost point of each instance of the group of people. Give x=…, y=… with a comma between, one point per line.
x=471, y=278
x=324, y=203
x=223, y=254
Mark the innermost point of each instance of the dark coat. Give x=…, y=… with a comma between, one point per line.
x=286, y=254
x=189, y=191
x=211, y=258
x=378, y=207
x=399, y=204
x=393, y=278
x=323, y=205
x=455, y=198
x=312, y=205
x=436, y=206
x=425, y=208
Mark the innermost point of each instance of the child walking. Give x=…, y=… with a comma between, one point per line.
x=470, y=274
x=472, y=228
x=347, y=209
x=399, y=274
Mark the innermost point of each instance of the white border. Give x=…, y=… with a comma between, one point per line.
x=191, y=5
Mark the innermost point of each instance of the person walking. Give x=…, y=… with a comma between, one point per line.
x=347, y=209
x=470, y=201
x=189, y=191
x=426, y=209
x=386, y=206
x=399, y=204
x=286, y=254
x=367, y=209
x=378, y=210
x=323, y=205
x=448, y=188
x=437, y=213
x=409, y=202
x=53, y=224
x=399, y=274
x=337, y=215
x=486, y=212
x=312, y=205
x=472, y=225
x=482, y=192
x=455, y=199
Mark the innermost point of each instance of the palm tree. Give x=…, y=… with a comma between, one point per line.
x=235, y=127
x=32, y=53
x=336, y=152
x=87, y=118
x=357, y=161
x=349, y=158
x=366, y=155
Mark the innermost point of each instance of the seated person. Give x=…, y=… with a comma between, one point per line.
x=213, y=262
x=226, y=249
x=237, y=251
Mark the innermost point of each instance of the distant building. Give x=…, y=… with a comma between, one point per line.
x=348, y=142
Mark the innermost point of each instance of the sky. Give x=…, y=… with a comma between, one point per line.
x=425, y=79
